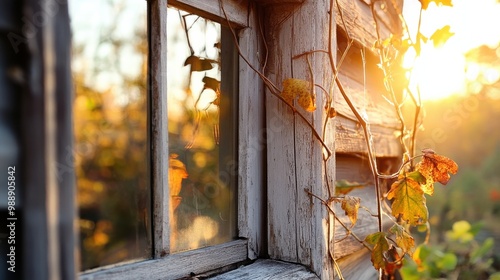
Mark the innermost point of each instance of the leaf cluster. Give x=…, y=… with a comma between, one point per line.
x=409, y=208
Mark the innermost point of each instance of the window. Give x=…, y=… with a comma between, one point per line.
x=110, y=132
x=184, y=199
x=202, y=116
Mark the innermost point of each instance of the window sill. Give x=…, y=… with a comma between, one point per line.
x=268, y=269
x=177, y=265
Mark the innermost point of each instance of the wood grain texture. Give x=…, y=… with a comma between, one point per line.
x=159, y=129
x=357, y=169
x=359, y=22
x=380, y=114
x=358, y=266
x=175, y=266
x=211, y=9
x=268, y=269
x=297, y=223
x=252, y=143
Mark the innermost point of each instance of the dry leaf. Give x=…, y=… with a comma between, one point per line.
x=301, y=88
x=350, y=205
x=436, y=167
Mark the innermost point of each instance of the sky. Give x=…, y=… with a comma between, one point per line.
x=444, y=71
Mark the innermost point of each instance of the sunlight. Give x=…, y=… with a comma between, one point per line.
x=444, y=70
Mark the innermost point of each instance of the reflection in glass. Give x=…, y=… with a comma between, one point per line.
x=202, y=132
x=110, y=130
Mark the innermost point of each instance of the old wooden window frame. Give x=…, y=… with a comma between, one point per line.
x=251, y=194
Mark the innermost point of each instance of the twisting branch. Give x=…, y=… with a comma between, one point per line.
x=273, y=89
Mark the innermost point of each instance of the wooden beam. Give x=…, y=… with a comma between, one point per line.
x=157, y=26
x=175, y=266
x=298, y=230
x=268, y=269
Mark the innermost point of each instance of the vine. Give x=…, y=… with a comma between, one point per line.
x=412, y=181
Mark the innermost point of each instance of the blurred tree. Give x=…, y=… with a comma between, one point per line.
x=111, y=150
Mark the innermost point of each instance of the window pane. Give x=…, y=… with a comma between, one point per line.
x=202, y=131
x=110, y=129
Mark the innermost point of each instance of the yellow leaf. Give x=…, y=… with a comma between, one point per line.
x=441, y=36
x=301, y=88
x=409, y=199
x=351, y=206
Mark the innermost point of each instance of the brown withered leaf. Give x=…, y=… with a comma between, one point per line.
x=198, y=63
x=211, y=83
x=409, y=199
x=436, y=167
x=392, y=266
x=350, y=205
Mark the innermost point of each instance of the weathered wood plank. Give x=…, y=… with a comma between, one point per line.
x=312, y=238
x=268, y=269
x=211, y=9
x=159, y=126
x=380, y=114
x=297, y=223
x=252, y=143
x=358, y=266
x=175, y=266
x=282, y=191
x=359, y=22
x=357, y=169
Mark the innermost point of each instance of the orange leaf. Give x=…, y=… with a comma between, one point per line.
x=351, y=206
x=436, y=167
x=425, y=3
x=409, y=199
x=403, y=239
x=301, y=88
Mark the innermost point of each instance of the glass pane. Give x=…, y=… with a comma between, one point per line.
x=202, y=131
x=110, y=129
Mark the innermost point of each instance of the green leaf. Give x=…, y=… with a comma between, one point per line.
x=483, y=250
x=380, y=246
x=447, y=262
x=345, y=187
x=409, y=200
x=495, y=276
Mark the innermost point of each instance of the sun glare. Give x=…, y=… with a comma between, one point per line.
x=444, y=70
